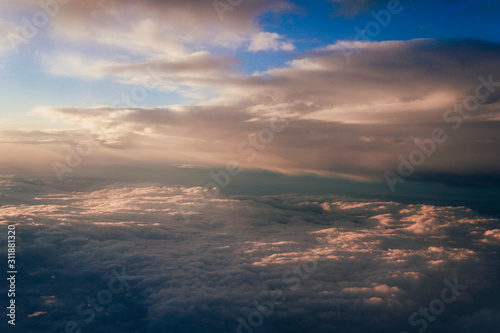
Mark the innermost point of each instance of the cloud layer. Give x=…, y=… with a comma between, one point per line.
x=376, y=262
x=360, y=117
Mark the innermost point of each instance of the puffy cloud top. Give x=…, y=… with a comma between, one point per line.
x=340, y=264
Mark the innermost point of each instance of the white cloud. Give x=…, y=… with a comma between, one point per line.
x=122, y=36
x=152, y=27
x=264, y=41
x=186, y=74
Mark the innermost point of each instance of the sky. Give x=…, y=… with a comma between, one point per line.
x=355, y=85
x=208, y=147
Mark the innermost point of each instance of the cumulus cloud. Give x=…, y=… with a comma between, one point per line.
x=375, y=264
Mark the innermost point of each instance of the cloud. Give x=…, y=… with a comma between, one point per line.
x=6, y=29
x=375, y=264
x=334, y=119
x=124, y=40
x=152, y=27
x=339, y=120
x=185, y=74
x=269, y=41
x=119, y=39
